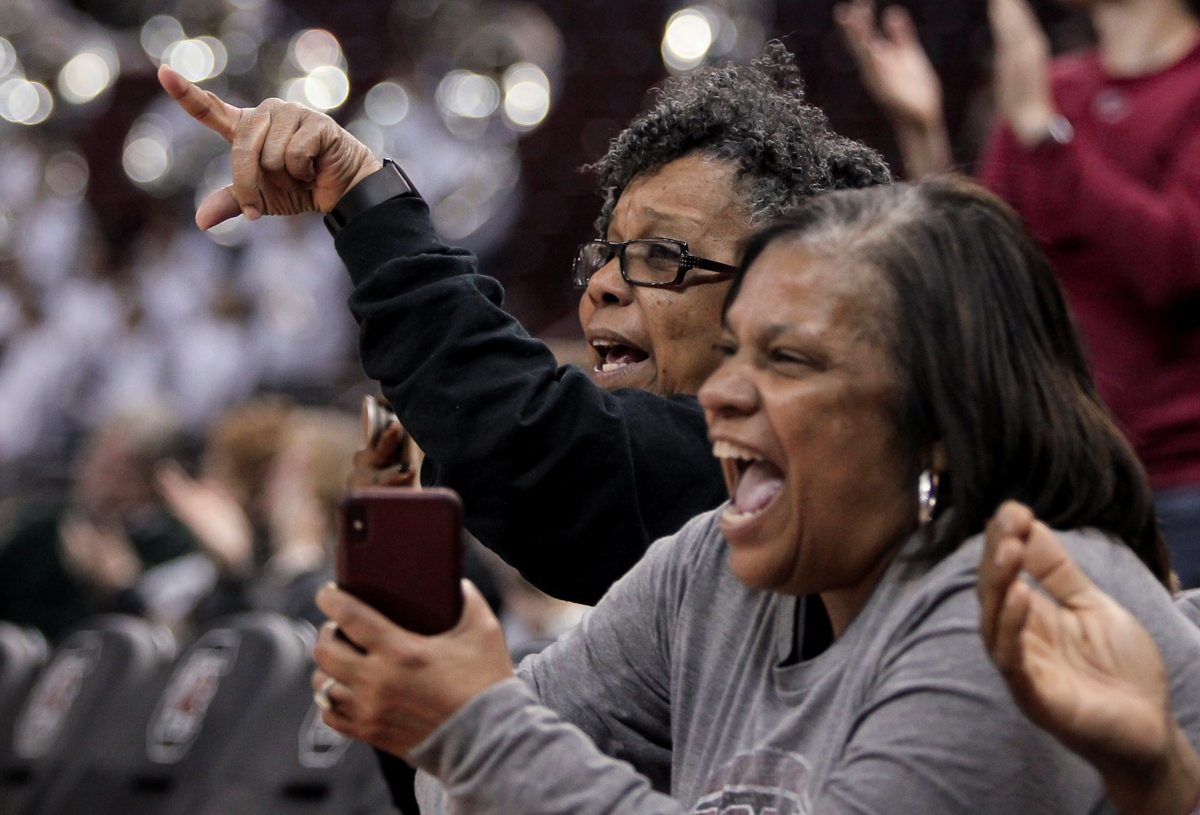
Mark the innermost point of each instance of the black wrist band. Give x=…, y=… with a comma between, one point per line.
x=384, y=184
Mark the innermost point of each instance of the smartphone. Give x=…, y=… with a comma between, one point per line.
x=376, y=417
x=400, y=551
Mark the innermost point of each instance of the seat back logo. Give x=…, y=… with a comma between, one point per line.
x=179, y=717
x=50, y=702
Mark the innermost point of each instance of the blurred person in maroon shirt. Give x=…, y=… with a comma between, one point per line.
x=1099, y=151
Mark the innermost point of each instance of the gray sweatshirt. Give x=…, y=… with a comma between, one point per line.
x=676, y=694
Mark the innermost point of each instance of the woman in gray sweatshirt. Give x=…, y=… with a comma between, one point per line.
x=898, y=362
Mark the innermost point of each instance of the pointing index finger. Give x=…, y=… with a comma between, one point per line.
x=205, y=107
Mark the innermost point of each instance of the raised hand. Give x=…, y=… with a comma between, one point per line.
x=1022, y=70
x=891, y=62
x=212, y=515
x=899, y=76
x=287, y=159
x=102, y=558
x=1082, y=667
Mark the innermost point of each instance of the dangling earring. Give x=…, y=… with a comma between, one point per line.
x=927, y=495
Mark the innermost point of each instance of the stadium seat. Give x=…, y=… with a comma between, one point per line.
x=296, y=765
x=97, y=672
x=23, y=652
x=224, y=691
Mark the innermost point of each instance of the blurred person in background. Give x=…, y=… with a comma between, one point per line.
x=304, y=486
x=568, y=477
x=1099, y=151
x=227, y=508
x=100, y=548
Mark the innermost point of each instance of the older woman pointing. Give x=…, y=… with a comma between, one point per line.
x=897, y=363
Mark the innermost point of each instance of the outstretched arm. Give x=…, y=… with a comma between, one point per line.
x=1081, y=667
x=566, y=482
x=898, y=75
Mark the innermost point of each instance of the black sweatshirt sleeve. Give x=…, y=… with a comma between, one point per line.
x=566, y=482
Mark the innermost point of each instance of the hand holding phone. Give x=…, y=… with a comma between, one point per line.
x=401, y=551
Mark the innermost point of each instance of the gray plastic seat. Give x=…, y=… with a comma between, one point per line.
x=296, y=765
x=23, y=652
x=96, y=674
x=164, y=756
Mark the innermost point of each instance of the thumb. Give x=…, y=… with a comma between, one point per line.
x=475, y=607
x=898, y=25
x=217, y=208
x=1051, y=565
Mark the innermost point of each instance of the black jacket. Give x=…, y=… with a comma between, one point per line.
x=568, y=483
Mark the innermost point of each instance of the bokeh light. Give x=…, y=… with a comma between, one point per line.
x=219, y=52
x=25, y=102
x=159, y=33
x=8, y=57
x=526, y=95
x=386, y=104
x=686, y=40
x=67, y=174
x=241, y=50
x=369, y=133
x=147, y=157
x=85, y=76
x=194, y=60
x=315, y=48
x=467, y=94
x=146, y=160
x=326, y=87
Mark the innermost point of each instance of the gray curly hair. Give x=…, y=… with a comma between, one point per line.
x=753, y=115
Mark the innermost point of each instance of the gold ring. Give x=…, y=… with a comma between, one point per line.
x=321, y=697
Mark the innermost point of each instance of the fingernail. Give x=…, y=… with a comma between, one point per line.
x=251, y=213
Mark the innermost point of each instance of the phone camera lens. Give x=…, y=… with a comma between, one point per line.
x=356, y=524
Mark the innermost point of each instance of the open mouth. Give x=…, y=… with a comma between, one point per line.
x=613, y=356
x=754, y=481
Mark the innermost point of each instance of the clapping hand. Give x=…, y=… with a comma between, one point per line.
x=900, y=78
x=287, y=159
x=891, y=62
x=212, y=515
x=1082, y=667
x=101, y=557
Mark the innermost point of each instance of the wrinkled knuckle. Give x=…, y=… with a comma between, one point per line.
x=410, y=657
x=298, y=150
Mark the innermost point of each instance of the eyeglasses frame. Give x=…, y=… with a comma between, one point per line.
x=687, y=262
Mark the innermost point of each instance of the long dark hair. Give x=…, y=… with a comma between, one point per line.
x=989, y=361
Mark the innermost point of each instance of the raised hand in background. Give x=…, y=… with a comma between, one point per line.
x=212, y=515
x=1021, y=70
x=900, y=78
x=101, y=557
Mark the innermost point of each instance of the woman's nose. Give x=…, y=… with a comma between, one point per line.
x=728, y=392
x=606, y=286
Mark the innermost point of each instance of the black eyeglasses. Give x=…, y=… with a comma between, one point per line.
x=644, y=262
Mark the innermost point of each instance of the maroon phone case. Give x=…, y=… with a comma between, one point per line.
x=406, y=559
